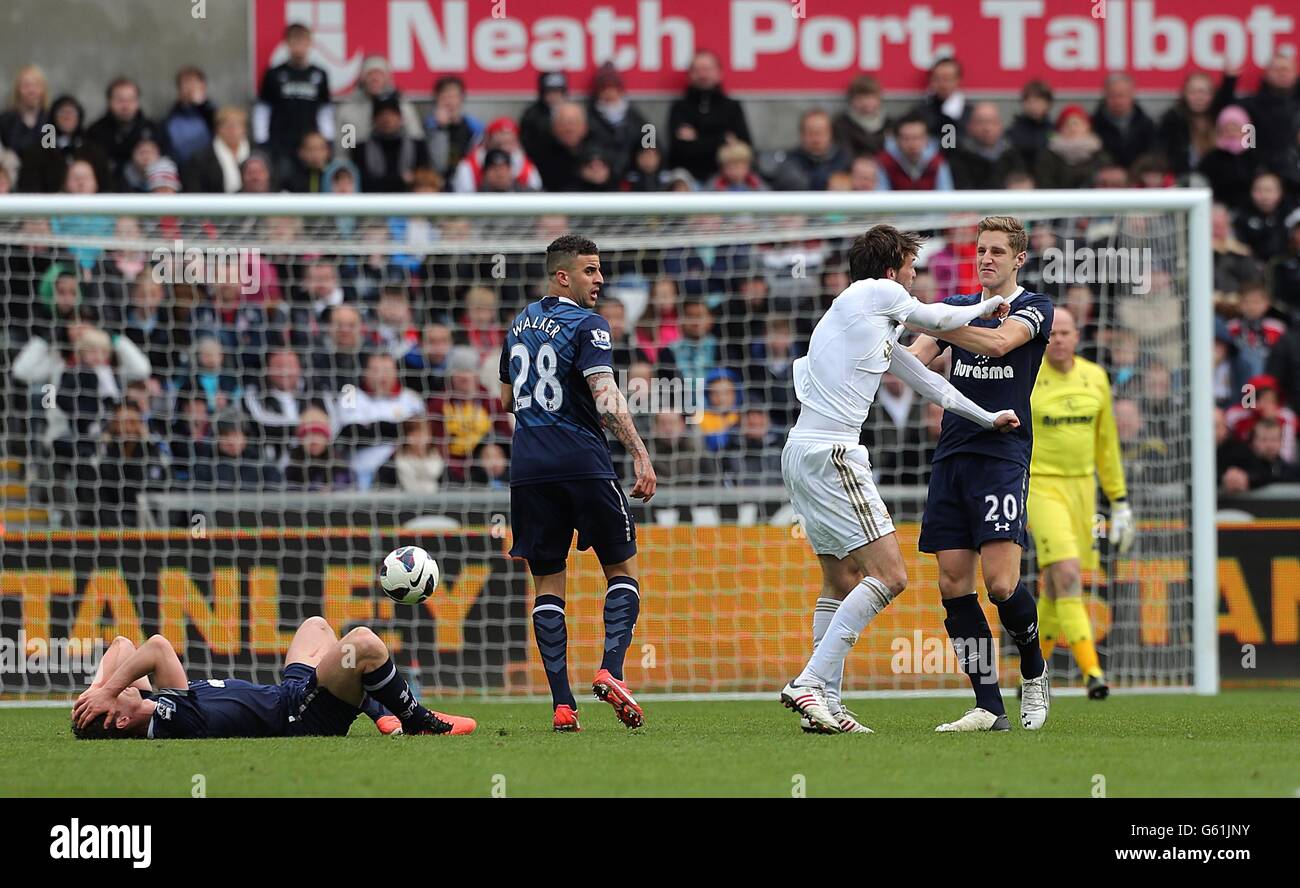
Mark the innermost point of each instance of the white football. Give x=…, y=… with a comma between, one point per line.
x=408, y=575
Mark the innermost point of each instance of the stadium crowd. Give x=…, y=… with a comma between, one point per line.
x=379, y=370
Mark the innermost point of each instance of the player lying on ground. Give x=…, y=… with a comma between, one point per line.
x=827, y=472
x=975, y=508
x=1075, y=443
x=557, y=378
x=325, y=684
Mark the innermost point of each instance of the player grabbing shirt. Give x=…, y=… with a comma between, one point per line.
x=975, y=508
x=557, y=376
x=327, y=683
x=828, y=473
x=1075, y=444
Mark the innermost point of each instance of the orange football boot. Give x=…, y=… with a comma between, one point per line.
x=614, y=692
x=565, y=719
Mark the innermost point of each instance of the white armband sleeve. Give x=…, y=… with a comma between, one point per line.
x=935, y=389
x=941, y=317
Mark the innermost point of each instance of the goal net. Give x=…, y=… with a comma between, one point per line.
x=221, y=412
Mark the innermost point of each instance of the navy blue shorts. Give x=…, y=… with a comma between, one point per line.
x=544, y=516
x=974, y=499
x=313, y=711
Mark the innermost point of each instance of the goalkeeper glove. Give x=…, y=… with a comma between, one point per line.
x=1123, y=530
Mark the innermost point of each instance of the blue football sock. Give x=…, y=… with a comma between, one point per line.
x=387, y=686
x=373, y=708
x=973, y=641
x=1019, y=614
x=553, y=644
x=622, y=607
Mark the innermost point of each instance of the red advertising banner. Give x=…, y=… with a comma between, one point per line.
x=781, y=46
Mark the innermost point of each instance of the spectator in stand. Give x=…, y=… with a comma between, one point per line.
x=188, y=126
x=956, y=265
x=337, y=358
x=416, y=466
x=1264, y=464
x=149, y=323
x=122, y=127
x=294, y=99
x=944, y=104
x=90, y=389
x=615, y=122
x=81, y=179
x=1285, y=272
x=257, y=174
x=466, y=414
x=1234, y=265
x=427, y=369
x=769, y=372
x=1261, y=224
x=307, y=175
x=191, y=440
x=1032, y=128
x=1111, y=175
x=498, y=177
x=370, y=421
x=1284, y=362
x=276, y=403
x=984, y=157
x=395, y=326
x=131, y=463
x=238, y=465
x=735, y=170
x=449, y=131
x=1081, y=303
x=865, y=175
x=389, y=158
x=647, y=172
x=1228, y=449
x=28, y=111
x=573, y=158
x=674, y=451
x=535, y=124
x=696, y=351
x=210, y=378
x=45, y=169
x=912, y=160
x=135, y=174
x=1230, y=166
x=1152, y=171
x=807, y=167
x=752, y=455
x=1273, y=107
x=214, y=168
x=313, y=464
x=860, y=127
x=1186, y=132
x=703, y=119
x=491, y=466
x=481, y=327
x=1126, y=131
x=1261, y=401
x=1074, y=152
x=375, y=85
x=501, y=133
x=721, y=415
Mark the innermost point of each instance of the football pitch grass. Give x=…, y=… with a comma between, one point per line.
x=1239, y=743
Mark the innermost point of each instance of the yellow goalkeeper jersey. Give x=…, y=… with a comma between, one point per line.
x=1074, y=426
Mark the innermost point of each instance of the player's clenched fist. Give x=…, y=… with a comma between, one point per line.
x=1006, y=421
x=644, y=488
x=995, y=306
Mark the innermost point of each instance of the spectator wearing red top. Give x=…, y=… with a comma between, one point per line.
x=1263, y=403
x=1254, y=333
x=502, y=133
x=1265, y=463
x=465, y=415
x=481, y=327
x=1074, y=152
x=736, y=170
x=912, y=160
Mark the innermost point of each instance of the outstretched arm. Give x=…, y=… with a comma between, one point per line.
x=991, y=341
x=934, y=388
x=614, y=416
x=939, y=317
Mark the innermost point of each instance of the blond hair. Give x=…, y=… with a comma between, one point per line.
x=16, y=95
x=1012, y=227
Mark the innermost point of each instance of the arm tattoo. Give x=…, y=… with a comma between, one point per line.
x=614, y=416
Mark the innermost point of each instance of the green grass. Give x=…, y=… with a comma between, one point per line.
x=1240, y=743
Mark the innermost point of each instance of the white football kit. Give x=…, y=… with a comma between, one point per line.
x=827, y=472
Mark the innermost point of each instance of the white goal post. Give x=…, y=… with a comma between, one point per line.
x=1192, y=204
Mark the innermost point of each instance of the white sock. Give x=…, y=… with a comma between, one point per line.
x=867, y=599
x=823, y=614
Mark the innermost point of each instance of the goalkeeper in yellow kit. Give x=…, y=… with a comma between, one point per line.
x=1075, y=443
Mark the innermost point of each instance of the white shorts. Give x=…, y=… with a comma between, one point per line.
x=834, y=495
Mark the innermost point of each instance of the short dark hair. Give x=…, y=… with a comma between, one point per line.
x=448, y=80
x=96, y=730
x=878, y=250
x=565, y=248
x=190, y=71
x=296, y=29
x=120, y=81
x=909, y=118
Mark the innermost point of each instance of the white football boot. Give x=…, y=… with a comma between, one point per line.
x=1035, y=700
x=810, y=702
x=847, y=718
x=975, y=720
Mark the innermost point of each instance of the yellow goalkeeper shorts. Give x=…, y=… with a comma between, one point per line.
x=1061, y=519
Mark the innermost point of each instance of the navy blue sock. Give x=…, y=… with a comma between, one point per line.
x=973, y=641
x=622, y=607
x=373, y=708
x=1019, y=614
x=553, y=644
x=387, y=686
